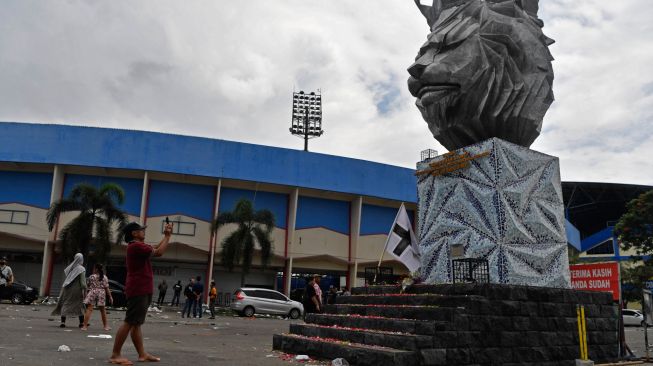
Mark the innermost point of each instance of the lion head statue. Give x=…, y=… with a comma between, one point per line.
x=485, y=71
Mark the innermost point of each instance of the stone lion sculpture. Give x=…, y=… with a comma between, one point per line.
x=485, y=71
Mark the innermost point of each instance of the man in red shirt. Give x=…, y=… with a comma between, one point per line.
x=138, y=290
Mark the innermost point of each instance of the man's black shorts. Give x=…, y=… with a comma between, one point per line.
x=137, y=309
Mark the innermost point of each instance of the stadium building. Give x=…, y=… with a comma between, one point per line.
x=332, y=213
x=594, y=209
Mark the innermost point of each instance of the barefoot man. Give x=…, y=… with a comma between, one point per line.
x=138, y=289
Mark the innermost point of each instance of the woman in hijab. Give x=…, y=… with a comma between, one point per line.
x=72, y=292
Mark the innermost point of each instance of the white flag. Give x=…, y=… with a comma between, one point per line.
x=401, y=243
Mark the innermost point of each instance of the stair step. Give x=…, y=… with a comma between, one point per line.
x=443, y=289
x=354, y=353
x=403, y=341
x=492, y=292
x=423, y=327
x=416, y=312
x=410, y=299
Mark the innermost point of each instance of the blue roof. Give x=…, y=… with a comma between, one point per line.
x=141, y=150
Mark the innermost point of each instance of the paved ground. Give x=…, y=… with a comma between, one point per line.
x=30, y=336
x=635, y=340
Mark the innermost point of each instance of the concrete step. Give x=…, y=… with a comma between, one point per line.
x=415, y=312
x=494, y=292
x=402, y=341
x=354, y=353
x=423, y=327
x=410, y=299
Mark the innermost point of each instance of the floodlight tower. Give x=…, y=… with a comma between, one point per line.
x=306, y=116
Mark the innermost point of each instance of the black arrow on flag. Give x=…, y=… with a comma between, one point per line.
x=405, y=240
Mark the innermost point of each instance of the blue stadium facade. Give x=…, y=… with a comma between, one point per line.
x=332, y=213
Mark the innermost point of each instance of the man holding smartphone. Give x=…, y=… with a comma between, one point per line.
x=138, y=289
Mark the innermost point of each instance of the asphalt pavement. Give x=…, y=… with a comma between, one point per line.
x=635, y=340
x=30, y=336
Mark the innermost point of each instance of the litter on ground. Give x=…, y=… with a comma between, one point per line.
x=63, y=348
x=104, y=336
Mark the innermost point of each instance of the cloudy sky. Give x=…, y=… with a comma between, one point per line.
x=227, y=69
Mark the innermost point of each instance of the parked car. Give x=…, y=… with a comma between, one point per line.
x=20, y=293
x=249, y=301
x=633, y=317
x=118, y=294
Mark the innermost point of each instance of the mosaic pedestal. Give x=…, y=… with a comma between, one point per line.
x=506, y=207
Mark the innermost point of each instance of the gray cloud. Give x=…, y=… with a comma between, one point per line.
x=227, y=70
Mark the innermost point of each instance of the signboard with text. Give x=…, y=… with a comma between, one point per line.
x=602, y=276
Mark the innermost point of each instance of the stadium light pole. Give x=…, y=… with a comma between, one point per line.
x=306, y=119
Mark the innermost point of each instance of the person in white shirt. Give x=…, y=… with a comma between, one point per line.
x=6, y=277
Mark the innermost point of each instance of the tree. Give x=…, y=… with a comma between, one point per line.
x=98, y=212
x=635, y=227
x=634, y=278
x=253, y=227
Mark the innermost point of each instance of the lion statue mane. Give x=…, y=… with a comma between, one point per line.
x=485, y=71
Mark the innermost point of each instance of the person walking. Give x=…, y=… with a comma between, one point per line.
x=163, y=288
x=6, y=278
x=198, y=290
x=177, y=291
x=73, y=291
x=318, y=291
x=190, y=298
x=310, y=301
x=98, y=292
x=213, y=295
x=138, y=289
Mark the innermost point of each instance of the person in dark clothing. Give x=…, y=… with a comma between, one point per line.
x=331, y=295
x=163, y=288
x=311, y=302
x=177, y=291
x=198, y=289
x=190, y=298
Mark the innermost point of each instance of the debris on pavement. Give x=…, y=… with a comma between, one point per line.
x=63, y=348
x=302, y=357
x=103, y=336
x=339, y=362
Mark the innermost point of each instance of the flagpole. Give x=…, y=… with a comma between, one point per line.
x=386, y=242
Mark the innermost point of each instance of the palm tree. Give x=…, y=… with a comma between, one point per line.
x=253, y=227
x=98, y=212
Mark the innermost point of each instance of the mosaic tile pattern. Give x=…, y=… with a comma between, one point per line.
x=506, y=207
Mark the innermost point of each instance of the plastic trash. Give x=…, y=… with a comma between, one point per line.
x=63, y=348
x=339, y=362
x=103, y=336
x=302, y=358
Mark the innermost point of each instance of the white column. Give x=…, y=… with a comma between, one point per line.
x=48, y=248
x=287, y=276
x=355, y=231
x=145, y=198
x=290, y=229
x=214, y=238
